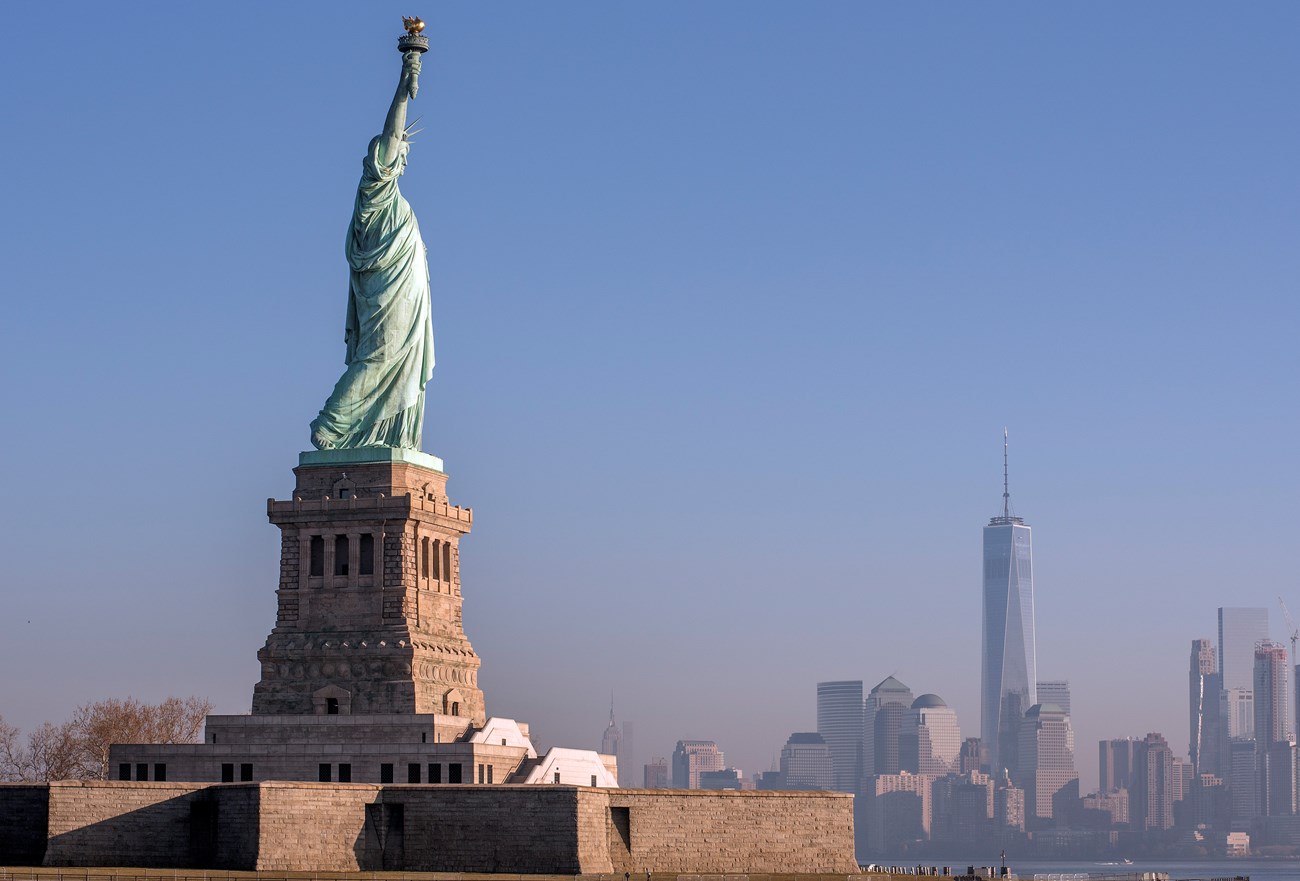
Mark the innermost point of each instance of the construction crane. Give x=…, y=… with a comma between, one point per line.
x=1290, y=625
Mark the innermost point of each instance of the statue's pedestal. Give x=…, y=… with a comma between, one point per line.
x=369, y=599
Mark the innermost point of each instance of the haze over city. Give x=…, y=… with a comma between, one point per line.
x=732, y=303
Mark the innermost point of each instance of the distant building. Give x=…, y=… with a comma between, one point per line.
x=888, y=691
x=1046, y=753
x=962, y=807
x=693, y=757
x=1008, y=668
x=1115, y=764
x=1008, y=806
x=969, y=759
x=727, y=778
x=1151, y=796
x=1239, y=631
x=1203, y=702
x=898, y=810
x=1106, y=809
x=1055, y=691
x=806, y=762
x=839, y=722
x=887, y=738
x=1274, y=752
x=1238, y=708
x=656, y=774
x=931, y=737
x=1243, y=783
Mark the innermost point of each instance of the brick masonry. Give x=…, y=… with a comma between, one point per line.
x=283, y=826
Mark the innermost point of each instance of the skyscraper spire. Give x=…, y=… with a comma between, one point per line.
x=1006, y=493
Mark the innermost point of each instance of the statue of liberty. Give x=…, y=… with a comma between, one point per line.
x=379, y=400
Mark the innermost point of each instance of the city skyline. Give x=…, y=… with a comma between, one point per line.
x=690, y=268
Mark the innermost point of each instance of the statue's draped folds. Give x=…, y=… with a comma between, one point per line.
x=379, y=401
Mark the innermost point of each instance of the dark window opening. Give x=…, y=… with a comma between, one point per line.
x=160, y=771
x=317, y=556
x=424, y=557
x=435, y=773
x=245, y=772
x=413, y=772
x=436, y=554
x=424, y=737
x=142, y=771
x=481, y=775
x=446, y=561
x=489, y=773
x=455, y=708
x=386, y=772
x=367, y=565
x=557, y=776
x=124, y=771
x=227, y=772
x=340, y=555
x=324, y=772
x=593, y=779
x=331, y=706
x=453, y=772
x=345, y=773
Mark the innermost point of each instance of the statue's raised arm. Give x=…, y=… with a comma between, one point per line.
x=408, y=84
x=379, y=400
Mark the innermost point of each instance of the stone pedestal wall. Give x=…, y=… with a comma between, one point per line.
x=301, y=827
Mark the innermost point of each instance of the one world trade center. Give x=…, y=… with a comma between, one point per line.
x=1008, y=674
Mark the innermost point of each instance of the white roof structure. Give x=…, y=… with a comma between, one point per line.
x=574, y=767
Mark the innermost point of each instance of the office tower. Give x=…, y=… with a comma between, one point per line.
x=1274, y=753
x=1046, y=754
x=898, y=810
x=1115, y=764
x=1105, y=809
x=1243, y=783
x=611, y=744
x=726, y=778
x=1272, y=721
x=887, y=738
x=807, y=763
x=931, y=740
x=1239, y=630
x=839, y=722
x=961, y=807
x=1055, y=691
x=693, y=757
x=1008, y=668
x=1008, y=806
x=1151, y=793
x=969, y=759
x=887, y=691
x=656, y=774
x=1238, y=705
x=1203, y=701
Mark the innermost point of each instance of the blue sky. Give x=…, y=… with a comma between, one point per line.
x=732, y=302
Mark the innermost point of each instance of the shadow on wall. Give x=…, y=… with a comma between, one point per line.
x=152, y=826
x=24, y=817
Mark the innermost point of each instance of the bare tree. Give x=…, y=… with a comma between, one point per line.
x=11, y=752
x=79, y=747
x=104, y=723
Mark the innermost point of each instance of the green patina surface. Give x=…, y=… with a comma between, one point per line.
x=388, y=332
x=368, y=455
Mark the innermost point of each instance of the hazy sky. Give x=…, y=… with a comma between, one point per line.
x=732, y=302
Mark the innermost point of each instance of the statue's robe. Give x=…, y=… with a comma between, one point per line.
x=379, y=401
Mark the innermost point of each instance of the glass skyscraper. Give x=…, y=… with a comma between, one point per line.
x=839, y=722
x=1240, y=630
x=1008, y=669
